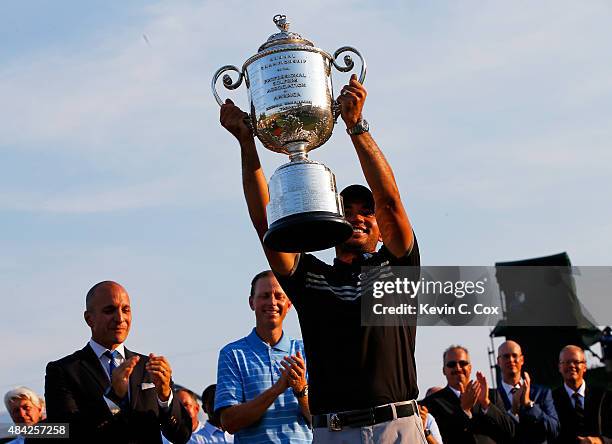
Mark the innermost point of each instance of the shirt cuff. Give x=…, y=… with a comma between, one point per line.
x=114, y=408
x=114, y=403
x=165, y=404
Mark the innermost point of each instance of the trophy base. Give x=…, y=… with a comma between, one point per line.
x=317, y=230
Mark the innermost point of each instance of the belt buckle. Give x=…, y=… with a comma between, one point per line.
x=334, y=423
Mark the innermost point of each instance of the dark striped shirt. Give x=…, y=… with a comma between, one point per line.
x=351, y=366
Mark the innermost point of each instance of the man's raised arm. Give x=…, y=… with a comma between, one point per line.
x=390, y=214
x=254, y=184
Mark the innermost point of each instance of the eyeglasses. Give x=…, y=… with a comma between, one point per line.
x=453, y=364
x=574, y=363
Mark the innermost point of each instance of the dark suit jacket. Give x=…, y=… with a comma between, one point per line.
x=495, y=426
x=74, y=392
x=597, y=414
x=537, y=425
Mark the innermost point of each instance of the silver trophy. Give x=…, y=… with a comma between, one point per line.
x=292, y=112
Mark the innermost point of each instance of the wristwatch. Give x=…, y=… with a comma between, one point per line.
x=427, y=432
x=301, y=393
x=361, y=127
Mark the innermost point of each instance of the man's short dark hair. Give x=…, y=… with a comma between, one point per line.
x=454, y=347
x=208, y=398
x=257, y=277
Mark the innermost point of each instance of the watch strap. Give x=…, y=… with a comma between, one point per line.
x=362, y=126
x=301, y=393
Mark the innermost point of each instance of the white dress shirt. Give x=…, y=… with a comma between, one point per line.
x=456, y=392
x=100, y=351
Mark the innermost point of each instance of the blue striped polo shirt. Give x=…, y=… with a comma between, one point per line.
x=248, y=367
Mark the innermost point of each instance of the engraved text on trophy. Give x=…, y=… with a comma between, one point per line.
x=291, y=99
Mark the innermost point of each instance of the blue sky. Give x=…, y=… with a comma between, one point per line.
x=495, y=117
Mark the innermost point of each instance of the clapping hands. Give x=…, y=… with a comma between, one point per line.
x=294, y=368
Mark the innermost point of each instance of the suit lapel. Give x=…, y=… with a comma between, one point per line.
x=504, y=397
x=496, y=399
x=451, y=397
x=136, y=378
x=93, y=366
x=592, y=407
x=567, y=402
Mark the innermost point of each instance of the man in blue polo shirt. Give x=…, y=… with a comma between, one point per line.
x=262, y=393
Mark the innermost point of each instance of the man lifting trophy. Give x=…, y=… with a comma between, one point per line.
x=293, y=112
x=361, y=378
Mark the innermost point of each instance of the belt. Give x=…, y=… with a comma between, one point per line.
x=365, y=417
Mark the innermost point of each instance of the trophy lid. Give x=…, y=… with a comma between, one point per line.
x=284, y=37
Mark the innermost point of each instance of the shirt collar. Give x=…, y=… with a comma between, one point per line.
x=100, y=349
x=581, y=390
x=211, y=429
x=507, y=388
x=284, y=344
x=198, y=427
x=456, y=392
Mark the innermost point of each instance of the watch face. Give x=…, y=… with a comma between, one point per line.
x=361, y=127
x=302, y=393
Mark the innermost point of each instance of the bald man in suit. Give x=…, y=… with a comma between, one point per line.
x=530, y=404
x=108, y=393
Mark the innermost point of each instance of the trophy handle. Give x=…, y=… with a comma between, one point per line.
x=230, y=84
x=348, y=61
x=348, y=65
x=227, y=81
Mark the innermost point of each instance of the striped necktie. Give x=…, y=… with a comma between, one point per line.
x=579, y=410
x=113, y=358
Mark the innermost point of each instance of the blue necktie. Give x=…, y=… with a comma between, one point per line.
x=579, y=410
x=113, y=357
